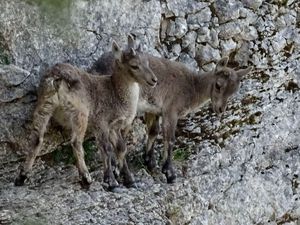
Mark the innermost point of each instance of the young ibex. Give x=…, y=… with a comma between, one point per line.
x=178, y=92
x=104, y=104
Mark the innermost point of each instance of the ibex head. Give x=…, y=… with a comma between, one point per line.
x=227, y=82
x=131, y=62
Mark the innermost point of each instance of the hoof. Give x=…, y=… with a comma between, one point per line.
x=150, y=163
x=86, y=182
x=130, y=183
x=19, y=181
x=110, y=183
x=171, y=179
x=111, y=187
x=169, y=173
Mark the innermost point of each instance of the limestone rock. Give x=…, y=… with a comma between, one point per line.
x=180, y=27
x=207, y=54
x=227, y=10
x=248, y=33
x=230, y=29
x=208, y=35
x=198, y=19
x=253, y=4
x=240, y=168
x=35, y=36
x=227, y=46
x=176, y=49
x=180, y=8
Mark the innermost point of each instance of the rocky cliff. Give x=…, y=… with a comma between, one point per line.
x=242, y=168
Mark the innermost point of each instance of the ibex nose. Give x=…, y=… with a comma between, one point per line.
x=154, y=80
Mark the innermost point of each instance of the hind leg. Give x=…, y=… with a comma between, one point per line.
x=41, y=117
x=79, y=126
x=152, y=122
x=169, y=125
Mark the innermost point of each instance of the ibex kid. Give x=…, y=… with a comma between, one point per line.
x=178, y=92
x=104, y=104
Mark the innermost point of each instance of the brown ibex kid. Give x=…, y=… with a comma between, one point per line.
x=104, y=104
x=178, y=92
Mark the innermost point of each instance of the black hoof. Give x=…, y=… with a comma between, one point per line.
x=19, y=181
x=150, y=163
x=169, y=173
x=110, y=183
x=111, y=188
x=130, y=184
x=85, y=183
x=171, y=179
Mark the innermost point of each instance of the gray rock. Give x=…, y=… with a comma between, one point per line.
x=230, y=29
x=208, y=67
x=249, y=15
x=171, y=29
x=164, y=29
x=227, y=10
x=227, y=46
x=188, y=43
x=288, y=19
x=198, y=19
x=37, y=36
x=5, y=217
x=214, y=40
x=248, y=33
x=189, y=39
x=180, y=27
x=176, y=49
x=181, y=8
x=240, y=168
x=253, y=4
x=206, y=35
x=188, y=60
x=278, y=43
x=203, y=35
x=243, y=53
x=207, y=54
x=12, y=78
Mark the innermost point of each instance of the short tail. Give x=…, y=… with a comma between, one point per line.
x=65, y=72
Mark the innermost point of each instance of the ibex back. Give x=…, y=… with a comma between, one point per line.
x=104, y=104
x=179, y=91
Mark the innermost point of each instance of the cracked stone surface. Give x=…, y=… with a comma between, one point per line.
x=242, y=168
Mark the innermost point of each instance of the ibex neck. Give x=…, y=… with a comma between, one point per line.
x=203, y=86
x=125, y=88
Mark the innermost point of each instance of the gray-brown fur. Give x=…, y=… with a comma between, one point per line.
x=106, y=105
x=178, y=92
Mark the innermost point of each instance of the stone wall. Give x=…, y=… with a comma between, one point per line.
x=241, y=169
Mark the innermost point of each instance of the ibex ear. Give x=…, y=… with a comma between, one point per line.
x=243, y=72
x=132, y=52
x=116, y=51
x=139, y=48
x=222, y=63
x=130, y=42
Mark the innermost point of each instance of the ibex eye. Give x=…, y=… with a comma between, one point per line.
x=218, y=86
x=134, y=67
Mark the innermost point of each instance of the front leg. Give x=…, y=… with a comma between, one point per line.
x=169, y=123
x=119, y=143
x=107, y=154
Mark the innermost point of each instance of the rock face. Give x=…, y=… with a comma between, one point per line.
x=35, y=36
x=242, y=168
